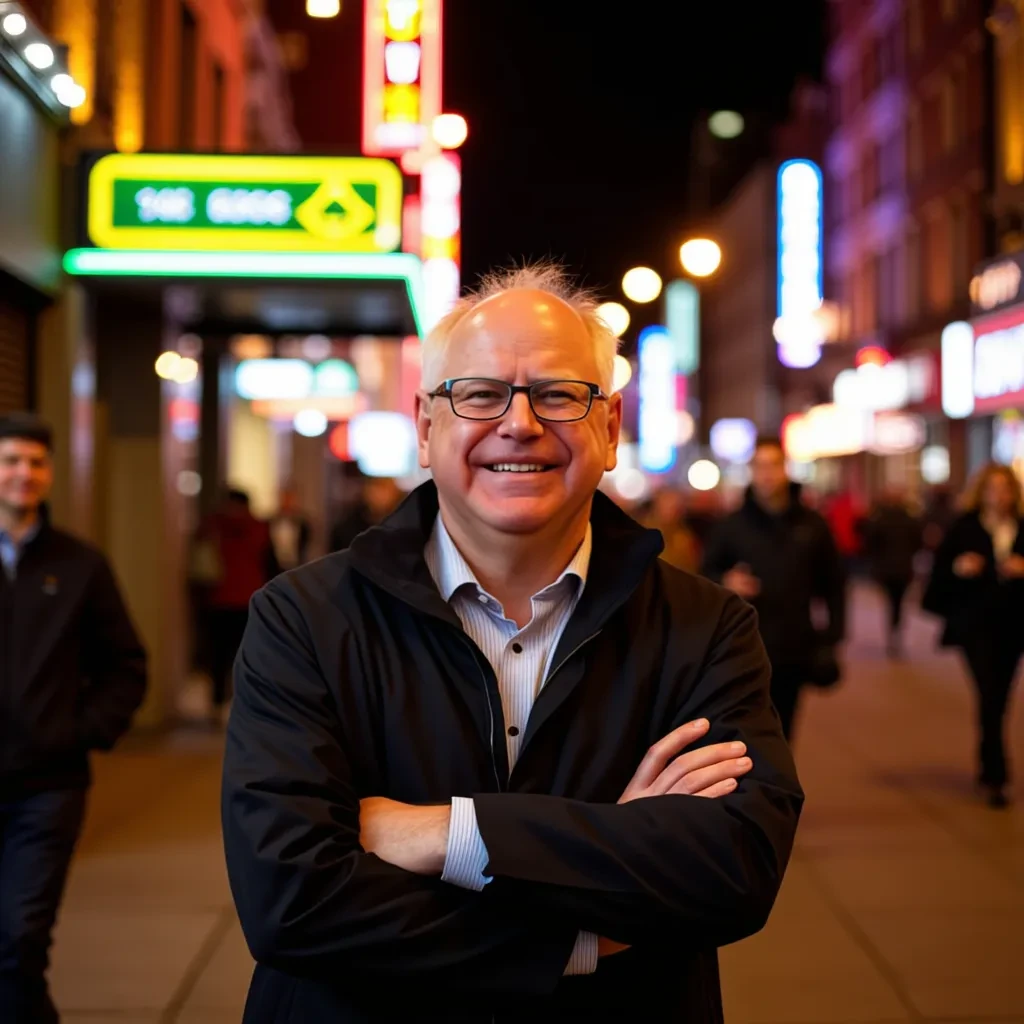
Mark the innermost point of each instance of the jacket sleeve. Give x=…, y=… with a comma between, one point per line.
x=310, y=900
x=943, y=585
x=680, y=869
x=831, y=585
x=115, y=664
x=719, y=556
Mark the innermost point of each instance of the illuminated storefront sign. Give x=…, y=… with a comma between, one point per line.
x=682, y=318
x=440, y=234
x=892, y=385
x=826, y=431
x=958, y=370
x=983, y=364
x=283, y=379
x=401, y=74
x=997, y=283
x=158, y=201
x=896, y=433
x=798, y=328
x=657, y=393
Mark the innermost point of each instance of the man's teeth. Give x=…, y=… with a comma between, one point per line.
x=518, y=467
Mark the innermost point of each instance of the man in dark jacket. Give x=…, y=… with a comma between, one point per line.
x=498, y=761
x=780, y=556
x=72, y=673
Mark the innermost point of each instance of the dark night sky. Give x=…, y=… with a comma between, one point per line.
x=580, y=123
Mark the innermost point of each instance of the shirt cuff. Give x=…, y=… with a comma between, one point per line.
x=467, y=855
x=584, y=955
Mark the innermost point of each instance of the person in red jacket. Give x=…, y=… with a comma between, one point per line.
x=243, y=560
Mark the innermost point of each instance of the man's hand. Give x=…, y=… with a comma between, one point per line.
x=1012, y=568
x=708, y=771
x=741, y=581
x=410, y=837
x=969, y=565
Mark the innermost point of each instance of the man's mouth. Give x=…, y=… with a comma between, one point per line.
x=519, y=467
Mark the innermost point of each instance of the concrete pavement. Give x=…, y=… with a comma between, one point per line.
x=904, y=900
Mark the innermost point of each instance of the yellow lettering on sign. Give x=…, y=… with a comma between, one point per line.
x=402, y=103
x=402, y=20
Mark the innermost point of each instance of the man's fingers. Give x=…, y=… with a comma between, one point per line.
x=660, y=753
x=703, y=778
x=692, y=761
x=722, y=788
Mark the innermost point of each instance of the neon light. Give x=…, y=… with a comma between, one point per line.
x=657, y=391
x=440, y=229
x=401, y=74
x=800, y=262
x=273, y=378
x=958, y=370
x=733, y=440
x=257, y=203
x=682, y=317
x=397, y=266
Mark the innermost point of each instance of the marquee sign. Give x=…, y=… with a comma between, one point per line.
x=401, y=74
x=230, y=203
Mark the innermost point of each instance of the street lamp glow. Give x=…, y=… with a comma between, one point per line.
x=700, y=257
x=323, y=8
x=725, y=124
x=14, y=24
x=167, y=365
x=39, y=55
x=616, y=317
x=641, y=284
x=186, y=370
x=449, y=130
x=704, y=475
x=622, y=373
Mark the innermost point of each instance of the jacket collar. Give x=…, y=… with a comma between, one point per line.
x=752, y=507
x=392, y=556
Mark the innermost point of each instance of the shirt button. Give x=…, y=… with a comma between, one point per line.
x=517, y=648
x=513, y=730
x=482, y=598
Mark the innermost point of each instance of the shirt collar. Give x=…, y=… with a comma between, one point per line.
x=6, y=538
x=451, y=571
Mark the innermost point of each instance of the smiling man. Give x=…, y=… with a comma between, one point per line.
x=498, y=761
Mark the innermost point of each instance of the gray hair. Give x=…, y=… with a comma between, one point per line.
x=547, y=277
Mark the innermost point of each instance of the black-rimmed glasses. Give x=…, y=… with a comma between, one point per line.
x=554, y=401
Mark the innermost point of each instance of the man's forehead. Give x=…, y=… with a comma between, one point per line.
x=516, y=311
x=23, y=447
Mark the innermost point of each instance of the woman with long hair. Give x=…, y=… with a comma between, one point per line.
x=977, y=586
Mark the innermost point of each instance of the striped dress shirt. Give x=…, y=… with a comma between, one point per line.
x=521, y=659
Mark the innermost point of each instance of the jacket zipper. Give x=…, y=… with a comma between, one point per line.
x=576, y=650
x=490, y=715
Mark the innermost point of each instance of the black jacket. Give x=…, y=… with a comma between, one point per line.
x=892, y=539
x=795, y=558
x=985, y=609
x=355, y=679
x=72, y=669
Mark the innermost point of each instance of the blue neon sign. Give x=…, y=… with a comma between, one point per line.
x=657, y=392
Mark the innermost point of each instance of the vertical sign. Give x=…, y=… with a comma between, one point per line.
x=682, y=318
x=401, y=74
x=440, y=234
x=957, y=376
x=798, y=329
x=657, y=392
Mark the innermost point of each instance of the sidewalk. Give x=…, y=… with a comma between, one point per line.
x=904, y=900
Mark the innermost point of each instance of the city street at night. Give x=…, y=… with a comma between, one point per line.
x=903, y=901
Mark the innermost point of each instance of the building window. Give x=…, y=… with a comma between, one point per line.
x=189, y=57
x=218, y=107
x=915, y=27
x=950, y=10
x=912, y=273
x=915, y=142
x=960, y=249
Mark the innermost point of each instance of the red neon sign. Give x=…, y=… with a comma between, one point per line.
x=401, y=74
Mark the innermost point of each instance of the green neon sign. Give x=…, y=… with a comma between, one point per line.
x=191, y=202
x=397, y=266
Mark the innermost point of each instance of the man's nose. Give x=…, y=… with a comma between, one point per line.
x=520, y=420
